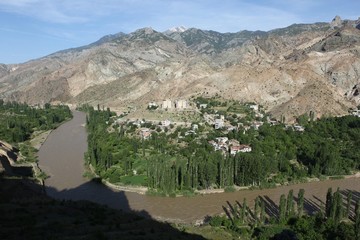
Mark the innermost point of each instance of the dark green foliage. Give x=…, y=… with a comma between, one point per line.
x=329, y=203
x=266, y=232
x=282, y=209
x=171, y=164
x=262, y=211
x=290, y=210
x=339, y=209
x=217, y=221
x=334, y=209
x=327, y=146
x=315, y=227
x=357, y=219
x=300, y=203
x=167, y=167
x=243, y=211
x=307, y=227
x=257, y=209
x=19, y=121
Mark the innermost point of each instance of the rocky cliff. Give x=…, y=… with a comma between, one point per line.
x=7, y=157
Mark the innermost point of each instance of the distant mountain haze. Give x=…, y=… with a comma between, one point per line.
x=290, y=71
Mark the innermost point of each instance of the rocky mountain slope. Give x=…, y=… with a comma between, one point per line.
x=291, y=71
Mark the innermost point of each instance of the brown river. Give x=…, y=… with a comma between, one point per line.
x=61, y=157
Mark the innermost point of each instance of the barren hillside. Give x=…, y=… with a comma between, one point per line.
x=291, y=71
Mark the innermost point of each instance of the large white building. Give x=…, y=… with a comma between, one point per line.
x=181, y=104
x=167, y=104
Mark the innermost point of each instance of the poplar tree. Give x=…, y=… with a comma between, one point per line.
x=337, y=210
x=300, y=203
x=282, y=209
x=328, y=203
x=290, y=204
x=262, y=211
x=257, y=209
x=243, y=212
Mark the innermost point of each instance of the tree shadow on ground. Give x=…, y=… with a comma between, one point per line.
x=310, y=206
x=271, y=208
x=355, y=197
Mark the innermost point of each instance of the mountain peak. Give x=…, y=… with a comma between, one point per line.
x=177, y=29
x=110, y=37
x=145, y=30
x=336, y=22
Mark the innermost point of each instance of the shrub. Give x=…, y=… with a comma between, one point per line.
x=229, y=189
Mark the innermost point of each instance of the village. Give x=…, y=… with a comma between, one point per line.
x=205, y=119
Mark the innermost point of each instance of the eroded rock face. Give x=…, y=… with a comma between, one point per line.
x=354, y=94
x=7, y=157
x=273, y=68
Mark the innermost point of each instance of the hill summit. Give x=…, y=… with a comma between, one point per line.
x=290, y=71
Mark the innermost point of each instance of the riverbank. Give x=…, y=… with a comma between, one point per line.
x=144, y=190
x=133, y=189
x=39, y=138
x=62, y=156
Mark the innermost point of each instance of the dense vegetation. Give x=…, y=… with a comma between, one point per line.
x=171, y=161
x=18, y=121
x=339, y=219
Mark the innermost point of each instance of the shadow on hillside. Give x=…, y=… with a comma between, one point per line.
x=76, y=213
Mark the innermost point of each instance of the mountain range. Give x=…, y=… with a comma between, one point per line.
x=290, y=71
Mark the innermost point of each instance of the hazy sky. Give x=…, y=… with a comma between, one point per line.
x=34, y=28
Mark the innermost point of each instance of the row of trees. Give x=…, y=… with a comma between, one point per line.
x=18, y=121
x=168, y=163
x=289, y=220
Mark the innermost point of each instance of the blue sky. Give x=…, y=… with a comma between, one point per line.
x=34, y=28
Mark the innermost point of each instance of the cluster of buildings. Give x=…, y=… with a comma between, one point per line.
x=145, y=133
x=233, y=146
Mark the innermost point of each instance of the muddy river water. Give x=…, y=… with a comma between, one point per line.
x=61, y=157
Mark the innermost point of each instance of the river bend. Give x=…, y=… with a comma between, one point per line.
x=61, y=157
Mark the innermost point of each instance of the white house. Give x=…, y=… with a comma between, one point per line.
x=203, y=105
x=219, y=123
x=245, y=148
x=165, y=123
x=234, y=150
x=254, y=107
x=152, y=105
x=299, y=128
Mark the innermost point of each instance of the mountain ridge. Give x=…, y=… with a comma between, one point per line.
x=271, y=68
